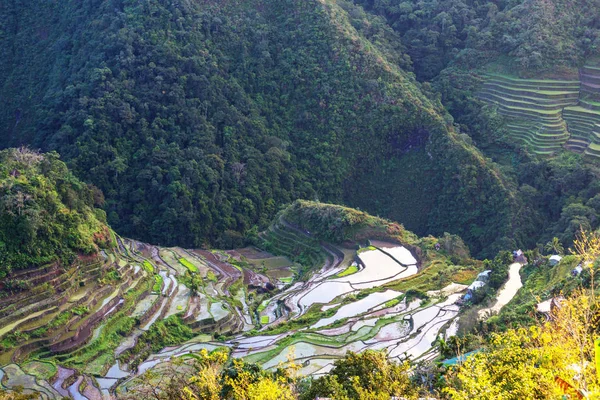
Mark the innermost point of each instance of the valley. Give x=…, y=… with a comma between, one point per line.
x=88, y=340
x=299, y=199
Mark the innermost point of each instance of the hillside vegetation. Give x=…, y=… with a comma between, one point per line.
x=336, y=224
x=255, y=155
x=198, y=120
x=70, y=325
x=46, y=214
x=528, y=37
x=97, y=319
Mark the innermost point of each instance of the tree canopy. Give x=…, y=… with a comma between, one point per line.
x=46, y=214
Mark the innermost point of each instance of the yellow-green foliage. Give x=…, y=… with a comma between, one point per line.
x=524, y=363
x=217, y=377
x=191, y=267
x=336, y=223
x=264, y=319
x=262, y=306
x=434, y=276
x=392, y=303
x=211, y=276
x=158, y=282
x=348, y=271
x=148, y=267
x=368, y=375
x=40, y=369
x=46, y=214
x=17, y=394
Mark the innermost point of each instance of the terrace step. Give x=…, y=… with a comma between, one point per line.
x=590, y=69
x=529, y=103
x=578, y=142
x=589, y=104
x=535, y=84
x=540, y=138
x=529, y=113
x=582, y=122
x=590, y=90
x=26, y=274
x=590, y=78
x=593, y=150
x=554, y=94
x=583, y=111
x=540, y=146
x=581, y=125
x=24, y=302
x=538, y=95
x=575, y=135
x=575, y=148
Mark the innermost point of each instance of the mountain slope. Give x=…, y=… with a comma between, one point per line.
x=198, y=121
x=46, y=214
x=527, y=36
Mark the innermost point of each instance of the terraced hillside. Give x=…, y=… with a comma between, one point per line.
x=85, y=318
x=583, y=120
x=533, y=109
x=550, y=114
x=89, y=331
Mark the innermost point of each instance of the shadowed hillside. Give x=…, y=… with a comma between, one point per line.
x=198, y=120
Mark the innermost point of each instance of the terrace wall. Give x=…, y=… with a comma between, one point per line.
x=549, y=115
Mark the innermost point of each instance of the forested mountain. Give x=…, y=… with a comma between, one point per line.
x=252, y=157
x=199, y=119
x=46, y=214
x=529, y=36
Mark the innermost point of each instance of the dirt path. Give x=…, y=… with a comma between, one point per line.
x=507, y=292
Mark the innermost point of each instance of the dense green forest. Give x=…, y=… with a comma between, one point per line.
x=198, y=121
x=527, y=36
x=302, y=128
x=46, y=214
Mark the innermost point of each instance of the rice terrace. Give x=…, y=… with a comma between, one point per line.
x=306, y=291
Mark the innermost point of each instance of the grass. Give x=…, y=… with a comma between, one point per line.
x=211, y=276
x=312, y=315
x=535, y=91
x=521, y=80
x=368, y=248
x=94, y=357
x=171, y=331
x=437, y=275
x=148, y=267
x=364, y=333
x=288, y=279
x=464, y=277
x=582, y=110
x=40, y=369
x=191, y=267
x=272, y=262
x=532, y=105
x=348, y=271
x=392, y=302
x=264, y=319
x=158, y=282
x=262, y=306
x=80, y=310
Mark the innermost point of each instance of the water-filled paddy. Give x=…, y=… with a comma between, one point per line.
x=359, y=307
x=377, y=319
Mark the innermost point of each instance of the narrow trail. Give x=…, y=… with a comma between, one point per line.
x=507, y=292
